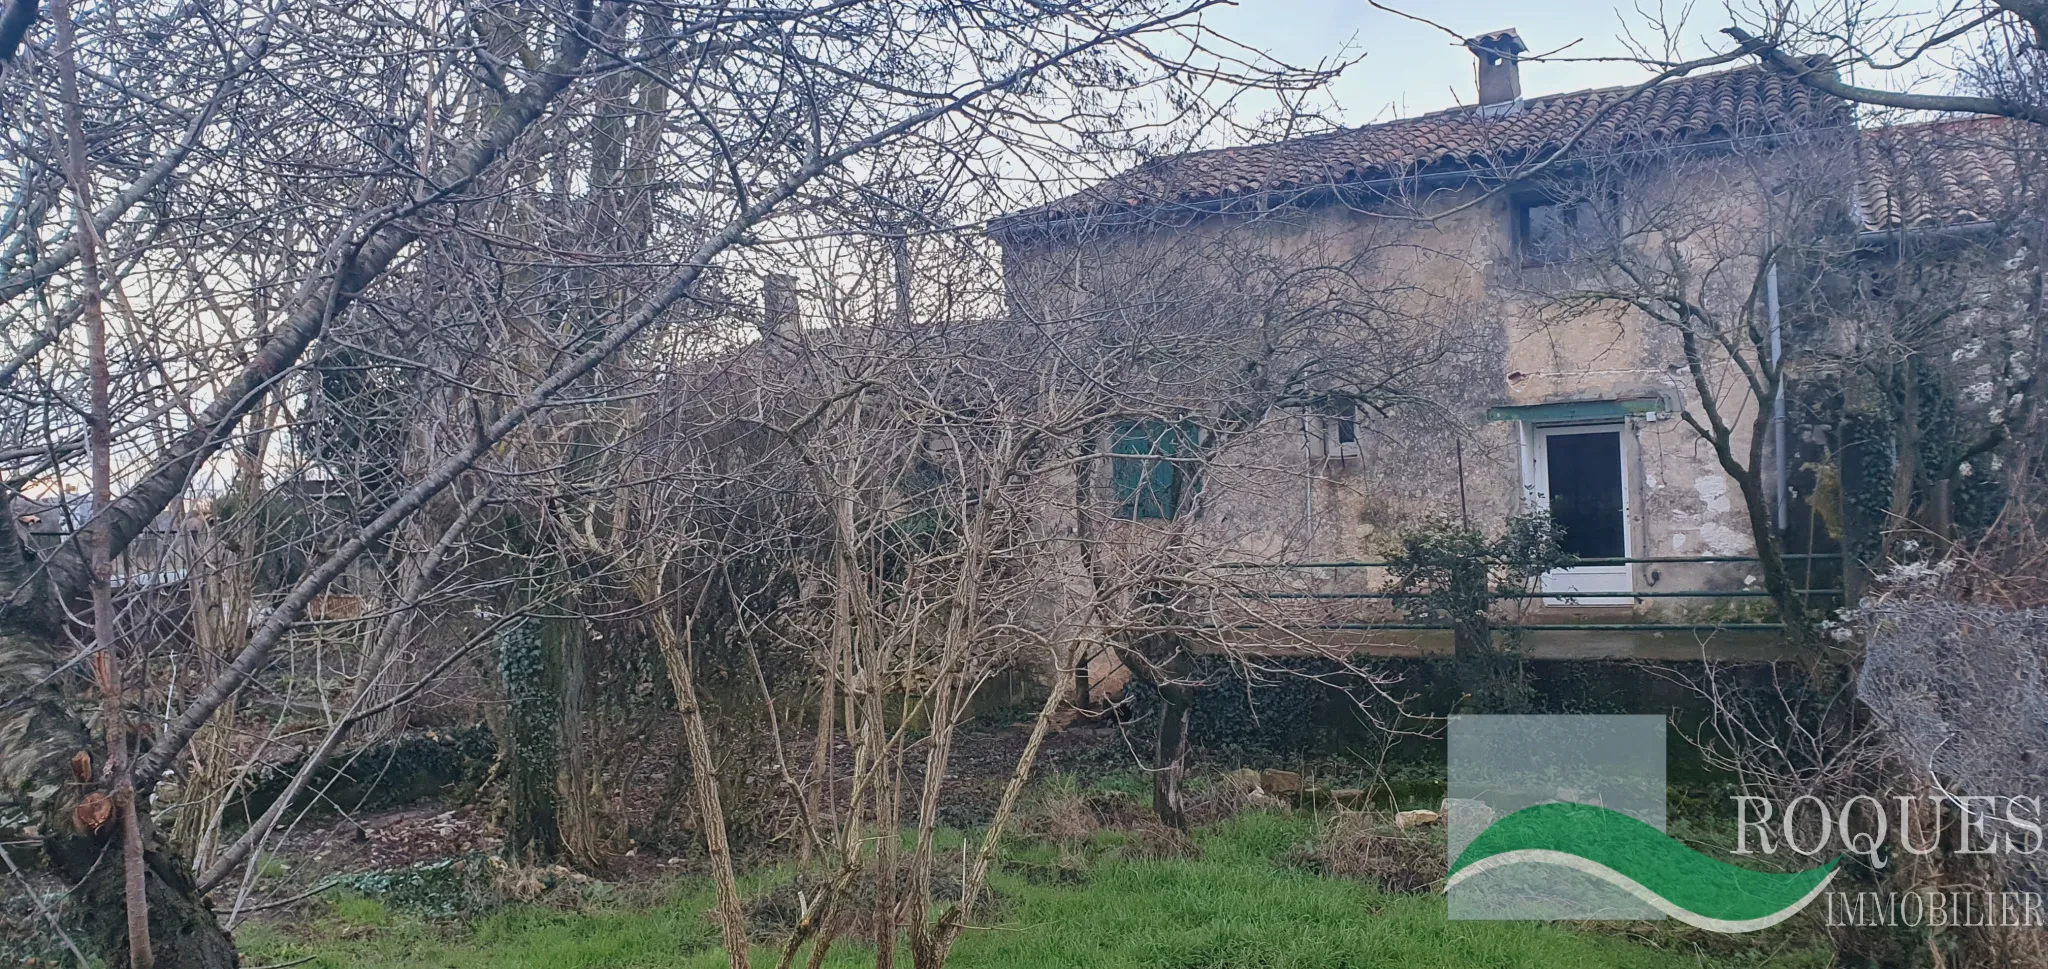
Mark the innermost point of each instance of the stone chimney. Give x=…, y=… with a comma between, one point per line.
x=779, y=307
x=1499, y=66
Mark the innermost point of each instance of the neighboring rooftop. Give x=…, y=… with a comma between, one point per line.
x=1485, y=138
x=1956, y=172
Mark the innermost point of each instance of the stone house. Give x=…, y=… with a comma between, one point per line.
x=1529, y=363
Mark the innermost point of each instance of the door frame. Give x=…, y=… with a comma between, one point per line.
x=1585, y=585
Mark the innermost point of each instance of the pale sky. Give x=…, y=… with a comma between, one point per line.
x=1411, y=68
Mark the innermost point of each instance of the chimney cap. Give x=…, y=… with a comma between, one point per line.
x=1497, y=64
x=1499, y=43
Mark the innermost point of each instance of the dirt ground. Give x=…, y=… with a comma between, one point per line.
x=435, y=830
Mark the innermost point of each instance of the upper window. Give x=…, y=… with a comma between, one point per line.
x=1148, y=467
x=1333, y=429
x=1550, y=230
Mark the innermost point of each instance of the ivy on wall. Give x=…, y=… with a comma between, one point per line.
x=533, y=708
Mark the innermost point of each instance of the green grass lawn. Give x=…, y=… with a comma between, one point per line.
x=1233, y=907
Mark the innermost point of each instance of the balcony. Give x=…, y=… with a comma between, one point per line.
x=1707, y=607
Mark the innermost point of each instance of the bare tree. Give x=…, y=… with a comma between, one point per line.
x=1729, y=259
x=311, y=174
x=1997, y=44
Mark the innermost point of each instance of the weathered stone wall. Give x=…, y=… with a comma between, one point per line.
x=1460, y=277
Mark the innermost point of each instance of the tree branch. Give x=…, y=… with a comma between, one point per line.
x=1822, y=77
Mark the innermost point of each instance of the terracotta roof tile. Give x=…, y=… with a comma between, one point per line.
x=1944, y=172
x=1687, y=109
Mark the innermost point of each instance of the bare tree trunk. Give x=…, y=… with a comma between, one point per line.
x=1770, y=553
x=1859, y=461
x=675, y=653
x=955, y=919
x=923, y=943
x=819, y=799
x=391, y=640
x=580, y=804
x=1481, y=669
x=183, y=929
x=1940, y=514
x=888, y=794
x=817, y=796
x=1748, y=480
x=1170, y=756
x=107, y=674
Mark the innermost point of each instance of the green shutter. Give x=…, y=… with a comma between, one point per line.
x=1127, y=473
x=1142, y=470
x=1160, y=498
x=1578, y=410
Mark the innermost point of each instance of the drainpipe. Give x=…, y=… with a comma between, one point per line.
x=1778, y=399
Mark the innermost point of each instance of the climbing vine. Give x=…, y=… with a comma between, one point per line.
x=533, y=709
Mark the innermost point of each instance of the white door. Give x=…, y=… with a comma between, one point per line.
x=1576, y=471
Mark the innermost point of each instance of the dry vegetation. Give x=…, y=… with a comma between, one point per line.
x=638, y=381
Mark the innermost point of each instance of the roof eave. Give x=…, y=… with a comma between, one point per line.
x=1444, y=171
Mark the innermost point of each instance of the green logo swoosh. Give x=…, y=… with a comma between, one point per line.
x=1649, y=864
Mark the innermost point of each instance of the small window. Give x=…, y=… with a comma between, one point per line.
x=1147, y=467
x=1550, y=230
x=1330, y=429
x=1344, y=427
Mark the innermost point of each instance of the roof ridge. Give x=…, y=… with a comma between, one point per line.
x=1681, y=110
x=1446, y=113
x=1647, y=84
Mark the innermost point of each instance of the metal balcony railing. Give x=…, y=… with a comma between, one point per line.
x=1746, y=593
